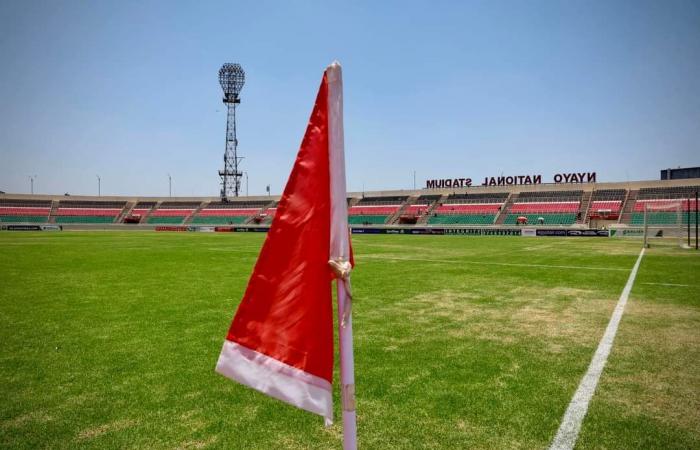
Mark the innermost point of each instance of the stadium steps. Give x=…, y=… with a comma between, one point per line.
x=250, y=220
x=54, y=210
x=628, y=207
x=146, y=216
x=394, y=218
x=584, y=206
x=503, y=213
x=194, y=213
x=125, y=212
x=423, y=220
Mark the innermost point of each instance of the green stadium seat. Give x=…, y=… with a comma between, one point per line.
x=24, y=219
x=462, y=219
x=84, y=219
x=166, y=220
x=370, y=220
x=549, y=219
x=661, y=218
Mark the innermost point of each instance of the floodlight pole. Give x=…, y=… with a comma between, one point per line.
x=31, y=184
x=170, y=186
x=231, y=79
x=99, y=187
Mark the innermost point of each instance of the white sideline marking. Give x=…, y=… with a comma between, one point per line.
x=669, y=284
x=487, y=263
x=576, y=411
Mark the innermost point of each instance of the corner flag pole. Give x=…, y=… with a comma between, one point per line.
x=341, y=254
x=347, y=368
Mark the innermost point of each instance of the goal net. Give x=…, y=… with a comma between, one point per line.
x=666, y=223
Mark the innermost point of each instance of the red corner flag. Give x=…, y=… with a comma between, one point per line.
x=281, y=338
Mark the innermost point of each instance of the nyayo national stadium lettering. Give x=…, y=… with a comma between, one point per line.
x=512, y=180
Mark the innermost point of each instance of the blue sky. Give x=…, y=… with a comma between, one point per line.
x=128, y=90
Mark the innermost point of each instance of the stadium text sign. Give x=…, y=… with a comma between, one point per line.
x=512, y=180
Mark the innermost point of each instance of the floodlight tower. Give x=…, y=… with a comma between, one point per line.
x=231, y=78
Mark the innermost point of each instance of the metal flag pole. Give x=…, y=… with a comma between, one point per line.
x=340, y=251
x=347, y=367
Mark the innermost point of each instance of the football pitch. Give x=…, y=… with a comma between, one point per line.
x=109, y=340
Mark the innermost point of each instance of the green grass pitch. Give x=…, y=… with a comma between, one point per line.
x=109, y=340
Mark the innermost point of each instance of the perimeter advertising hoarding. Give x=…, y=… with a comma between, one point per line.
x=32, y=227
x=441, y=231
x=573, y=233
x=627, y=232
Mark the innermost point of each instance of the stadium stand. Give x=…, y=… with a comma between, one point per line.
x=172, y=213
x=468, y=209
x=415, y=210
x=374, y=210
x=81, y=211
x=25, y=211
x=673, y=199
x=140, y=211
x=606, y=204
x=232, y=212
x=545, y=208
x=599, y=205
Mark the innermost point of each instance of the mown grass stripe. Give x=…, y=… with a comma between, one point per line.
x=490, y=263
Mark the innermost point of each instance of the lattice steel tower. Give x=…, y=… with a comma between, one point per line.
x=231, y=78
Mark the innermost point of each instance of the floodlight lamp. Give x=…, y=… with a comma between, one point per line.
x=232, y=79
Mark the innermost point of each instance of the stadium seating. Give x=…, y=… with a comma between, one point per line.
x=231, y=212
x=548, y=219
x=420, y=206
x=172, y=213
x=376, y=206
x=664, y=205
x=675, y=192
x=462, y=219
x=544, y=207
x=372, y=210
x=23, y=211
x=367, y=219
x=662, y=218
x=552, y=207
x=468, y=209
x=79, y=211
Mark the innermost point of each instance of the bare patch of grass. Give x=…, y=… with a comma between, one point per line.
x=117, y=425
x=553, y=314
x=196, y=444
x=34, y=416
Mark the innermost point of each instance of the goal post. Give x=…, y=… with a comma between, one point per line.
x=664, y=223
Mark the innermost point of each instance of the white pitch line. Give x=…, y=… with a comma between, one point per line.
x=487, y=263
x=573, y=417
x=669, y=284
